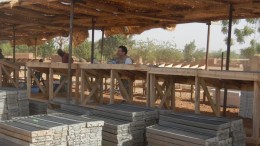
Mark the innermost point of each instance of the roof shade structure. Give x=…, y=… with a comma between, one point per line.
x=50, y=18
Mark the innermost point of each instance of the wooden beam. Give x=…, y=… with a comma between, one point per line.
x=167, y=92
x=203, y=85
x=147, y=92
x=173, y=99
x=93, y=91
x=152, y=90
x=197, y=95
x=77, y=85
x=9, y=77
x=1, y=76
x=38, y=83
x=160, y=92
x=112, y=86
x=217, y=92
x=82, y=89
x=256, y=111
x=122, y=87
x=51, y=96
x=29, y=82
x=59, y=87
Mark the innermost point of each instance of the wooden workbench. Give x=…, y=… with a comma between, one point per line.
x=113, y=71
x=203, y=79
x=50, y=69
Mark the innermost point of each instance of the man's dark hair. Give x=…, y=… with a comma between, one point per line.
x=124, y=49
x=60, y=52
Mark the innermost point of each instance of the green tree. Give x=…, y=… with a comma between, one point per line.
x=199, y=54
x=6, y=48
x=83, y=51
x=112, y=42
x=47, y=49
x=189, y=50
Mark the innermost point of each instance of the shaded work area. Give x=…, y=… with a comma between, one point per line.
x=32, y=22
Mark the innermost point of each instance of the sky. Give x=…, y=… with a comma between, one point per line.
x=185, y=33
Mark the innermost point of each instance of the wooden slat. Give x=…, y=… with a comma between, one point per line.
x=197, y=96
x=112, y=86
x=256, y=109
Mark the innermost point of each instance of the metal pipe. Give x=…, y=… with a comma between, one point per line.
x=207, y=51
x=70, y=50
x=14, y=44
x=228, y=56
x=35, y=47
x=92, y=42
x=102, y=44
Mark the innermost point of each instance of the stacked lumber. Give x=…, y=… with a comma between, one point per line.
x=190, y=129
x=52, y=130
x=37, y=107
x=70, y=109
x=13, y=103
x=124, y=124
x=246, y=104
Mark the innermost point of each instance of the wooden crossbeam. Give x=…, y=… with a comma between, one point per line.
x=206, y=91
x=8, y=76
x=38, y=83
x=60, y=86
x=168, y=90
x=160, y=92
x=122, y=87
x=94, y=89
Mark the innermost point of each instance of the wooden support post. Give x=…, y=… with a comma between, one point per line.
x=164, y=99
x=131, y=93
x=197, y=95
x=1, y=76
x=217, y=101
x=77, y=85
x=50, y=84
x=83, y=82
x=161, y=94
x=191, y=92
x=256, y=111
x=147, y=86
x=47, y=86
x=173, y=104
x=93, y=91
x=29, y=82
x=152, y=90
x=112, y=86
x=101, y=91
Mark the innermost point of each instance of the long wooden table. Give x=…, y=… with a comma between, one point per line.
x=119, y=72
x=201, y=78
x=50, y=69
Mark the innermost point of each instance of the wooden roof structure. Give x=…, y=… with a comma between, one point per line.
x=50, y=18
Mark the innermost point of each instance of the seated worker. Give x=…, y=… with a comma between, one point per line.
x=38, y=76
x=122, y=58
x=1, y=54
x=64, y=59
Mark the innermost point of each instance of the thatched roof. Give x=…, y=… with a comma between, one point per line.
x=50, y=18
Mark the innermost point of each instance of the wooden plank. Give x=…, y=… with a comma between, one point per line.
x=197, y=96
x=256, y=113
x=38, y=83
x=77, y=85
x=1, y=76
x=112, y=86
x=47, y=85
x=173, y=99
x=122, y=87
x=9, y=77
x=101, y=91
x=82, y=86
x=147, y=92
x=134, y=67
x=29, y=82
x=206, y=91
x=93, y=91
x=160, y=92
x=59, y=87
x=51, y=84
x=167, y=92
x=217, y=89
x=152, y=90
